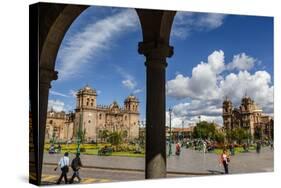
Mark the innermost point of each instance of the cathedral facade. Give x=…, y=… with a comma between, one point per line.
x=248, y=116
x=93, y=119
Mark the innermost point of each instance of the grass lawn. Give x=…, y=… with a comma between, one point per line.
x=92, y=149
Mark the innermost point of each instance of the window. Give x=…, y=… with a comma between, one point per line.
x=92, y=104
x=51, y=121
x=125, y=118
x=89, y=121
x=100, y=116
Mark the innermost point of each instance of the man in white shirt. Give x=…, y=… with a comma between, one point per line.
x=64, y=166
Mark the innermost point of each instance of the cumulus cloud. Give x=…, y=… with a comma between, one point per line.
x=257, y=85
x=56, y=105
x=210, y=82
x=242, y=62
x=203, y=82
x=92, y=40
x=186, y=22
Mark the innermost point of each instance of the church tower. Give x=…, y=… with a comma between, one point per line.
x=86, y=98
x=131, y=105
x=85, y=116
x=227, y=114
x=247, y=108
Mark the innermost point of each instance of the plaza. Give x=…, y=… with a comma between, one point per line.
x=99, y=169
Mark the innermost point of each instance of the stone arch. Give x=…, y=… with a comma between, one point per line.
x=54, y=21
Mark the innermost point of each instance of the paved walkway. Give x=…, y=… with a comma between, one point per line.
x=189, y=161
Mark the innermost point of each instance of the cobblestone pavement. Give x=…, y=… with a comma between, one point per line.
x=189, y=163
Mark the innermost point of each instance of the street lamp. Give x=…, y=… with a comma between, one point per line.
x=182, y=137
x=170, y=135
x=79, y=134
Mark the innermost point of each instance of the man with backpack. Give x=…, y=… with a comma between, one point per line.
x=63, y=164
x=76, y=164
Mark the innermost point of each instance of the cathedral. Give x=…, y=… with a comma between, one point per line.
x=248, y=116
x=93, y=119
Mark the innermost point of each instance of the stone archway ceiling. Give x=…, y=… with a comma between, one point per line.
x=54, y=19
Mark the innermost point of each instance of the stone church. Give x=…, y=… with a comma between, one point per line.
x=248, y=116
x=93, y=119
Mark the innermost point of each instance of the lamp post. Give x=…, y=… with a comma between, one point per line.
x=170, y=135
x=182, y=123
x=79, y=133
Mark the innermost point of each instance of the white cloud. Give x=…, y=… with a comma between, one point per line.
x=130, y=84
x=92, y=40
x=210, y=82
x=56, y=105
x=137, y=91
x=210, y=20
x=203, y=82
x=258, y=86
x=242, y=62
x=185, y=23
x=58, y=93
x=128, y=80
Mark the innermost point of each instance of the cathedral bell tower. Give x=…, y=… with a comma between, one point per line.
x=85, y=116
x=132, y=104
x=86, y=98
x=227, y=113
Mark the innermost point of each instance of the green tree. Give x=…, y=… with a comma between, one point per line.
x=115, y=138
x=219, y=137
x=105, y=135
x=124, y=134
x=258, y=133
x=82, y=135
x=238, y=134
x=204, y=130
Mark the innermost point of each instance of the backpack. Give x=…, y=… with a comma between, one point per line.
x=75, y=163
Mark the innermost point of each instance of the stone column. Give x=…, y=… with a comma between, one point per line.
x=155, y=158
x=45, y=78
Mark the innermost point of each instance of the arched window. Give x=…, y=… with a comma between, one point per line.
x=92, y=104
x=100, y=116
x=125, y=118
x=89, y=121
x=51, y=121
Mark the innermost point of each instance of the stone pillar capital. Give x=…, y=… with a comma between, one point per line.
x=47, y=75
x=155, y=51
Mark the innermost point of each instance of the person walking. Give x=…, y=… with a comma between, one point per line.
x=64, y=166
x=258, y=147
x=76, y=164
x=232, y=149
x=178, y=148
x=225, y=159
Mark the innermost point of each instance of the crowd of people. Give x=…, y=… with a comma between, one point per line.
x=227, y=149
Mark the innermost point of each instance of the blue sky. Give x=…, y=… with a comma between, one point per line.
x=215, y=55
